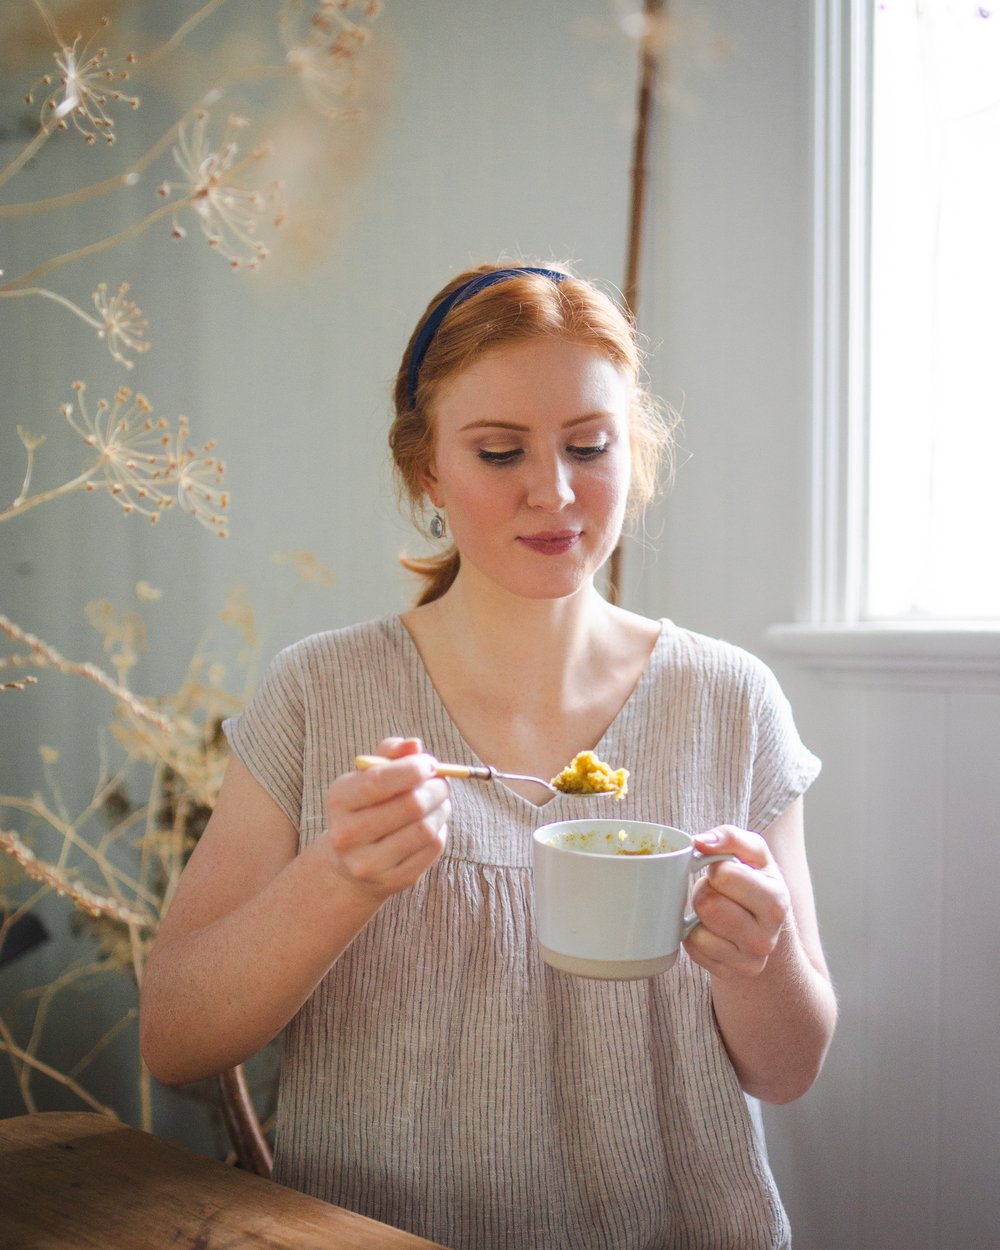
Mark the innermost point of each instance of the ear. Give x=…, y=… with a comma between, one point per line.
x=428, y=480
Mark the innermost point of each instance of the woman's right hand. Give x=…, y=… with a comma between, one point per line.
x=387, y=825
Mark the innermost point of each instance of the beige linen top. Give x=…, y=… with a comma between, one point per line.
x=442, y=1078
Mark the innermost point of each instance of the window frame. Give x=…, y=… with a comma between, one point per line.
x=841, y=238
x=836, y=637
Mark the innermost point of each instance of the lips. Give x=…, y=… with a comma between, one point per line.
x=551, y=543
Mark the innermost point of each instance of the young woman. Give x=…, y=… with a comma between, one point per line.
x=437, y=1075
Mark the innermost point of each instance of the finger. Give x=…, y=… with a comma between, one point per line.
x=369, y=787
x=753, y=880
x=749, y=848
x=375, y=816
x=751, y=922
x=392, y=748
x=401, y=857
x=398, y=859
x=752, y=888
x=721, y=957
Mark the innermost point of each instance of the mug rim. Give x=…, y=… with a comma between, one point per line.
x=598, y=824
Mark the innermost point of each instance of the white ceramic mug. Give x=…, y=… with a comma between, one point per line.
x=611, y=896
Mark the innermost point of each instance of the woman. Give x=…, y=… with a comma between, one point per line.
x=437, y=1075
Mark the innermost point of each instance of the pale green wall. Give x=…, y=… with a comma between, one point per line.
x=491, y=129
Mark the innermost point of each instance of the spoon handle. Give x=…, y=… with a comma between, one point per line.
x=466, y=772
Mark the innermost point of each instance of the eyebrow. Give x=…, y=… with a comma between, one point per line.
x=513, y=425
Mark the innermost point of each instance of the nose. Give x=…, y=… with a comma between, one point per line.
x=550, y=486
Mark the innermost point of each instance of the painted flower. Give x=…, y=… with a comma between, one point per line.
x=198, y=475
x=142, y=465
x=322, y=42
x=82, y=90
x=129, y=445
x=228, y=213
x=121, y=323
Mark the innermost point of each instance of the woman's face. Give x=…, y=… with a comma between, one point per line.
x=532, y=464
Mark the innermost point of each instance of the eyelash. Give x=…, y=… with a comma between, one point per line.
x=502, y=458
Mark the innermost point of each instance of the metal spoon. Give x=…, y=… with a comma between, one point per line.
x=473, y=772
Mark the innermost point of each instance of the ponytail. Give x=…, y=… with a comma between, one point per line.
x=437, y=572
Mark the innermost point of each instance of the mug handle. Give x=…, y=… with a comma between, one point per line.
x=699, y=861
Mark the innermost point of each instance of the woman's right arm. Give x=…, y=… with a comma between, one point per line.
x=254, y=925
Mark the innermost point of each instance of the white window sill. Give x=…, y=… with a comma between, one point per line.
x=910, y=654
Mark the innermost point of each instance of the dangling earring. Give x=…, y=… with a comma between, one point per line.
x=437, y=526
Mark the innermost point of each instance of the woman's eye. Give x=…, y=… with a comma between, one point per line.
x=588, y=453
x=499, y=457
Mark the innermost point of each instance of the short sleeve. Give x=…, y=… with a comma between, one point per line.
x=269, y=734
x=783, y=767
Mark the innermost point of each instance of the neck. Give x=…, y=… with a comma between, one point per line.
x=530, y=682
x=504, y=630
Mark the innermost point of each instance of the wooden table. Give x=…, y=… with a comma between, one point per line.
x=80, y=1180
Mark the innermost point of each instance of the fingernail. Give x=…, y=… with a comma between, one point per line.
x=708, y=839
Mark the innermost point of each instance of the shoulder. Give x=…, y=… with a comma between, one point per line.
x=712, y=657
x=327, y=665
x=350, y=644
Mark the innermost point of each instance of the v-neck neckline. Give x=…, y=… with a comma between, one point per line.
x=470, y=756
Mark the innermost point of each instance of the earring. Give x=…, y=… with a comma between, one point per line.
x=437, y=526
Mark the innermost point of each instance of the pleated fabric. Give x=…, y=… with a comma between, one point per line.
x=442, y=1078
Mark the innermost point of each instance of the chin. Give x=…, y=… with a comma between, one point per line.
x=545, y=578
x=551, y=587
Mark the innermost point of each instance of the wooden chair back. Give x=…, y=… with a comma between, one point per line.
x=253, y=1154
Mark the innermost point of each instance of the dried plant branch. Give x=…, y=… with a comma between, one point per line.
x=157, y=833
x=117, y=859
x=46, y=656
x=129, y=177
x=23, y=684
x=30, y=1061
x=119, y=321
x=82, y=896
x=71, y=838
x=136, y=460
x=182, y=31
x=77, y=95
x=89, y=249
x=103, y=1042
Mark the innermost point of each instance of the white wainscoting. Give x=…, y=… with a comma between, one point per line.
x=898, y=1145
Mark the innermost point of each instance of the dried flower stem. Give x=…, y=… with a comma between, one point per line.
x=33, y=144
x=23, y=684
x=103, y=1042
x=31, y=443
x=129, y=178
x=27, y=1060
x=49, y=657
x=114, y=877
x=58, y=299
x=14, y=916
x=182, y=31
x=96, y=905
x=120, y=324
x=25, y=155
x=23, y=503
x=49, y=21
x=92, y=249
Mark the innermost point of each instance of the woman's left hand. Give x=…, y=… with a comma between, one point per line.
x=743, y=906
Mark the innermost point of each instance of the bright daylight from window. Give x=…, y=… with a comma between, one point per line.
x=934, y=420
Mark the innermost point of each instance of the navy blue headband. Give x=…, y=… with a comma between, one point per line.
x=427, y=331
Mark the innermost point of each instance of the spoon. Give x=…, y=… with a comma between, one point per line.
x=473, y=772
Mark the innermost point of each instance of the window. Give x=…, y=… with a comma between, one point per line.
x=934, y=330
x=908, y=291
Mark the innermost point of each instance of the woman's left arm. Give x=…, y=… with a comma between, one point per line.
x=759, y=938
